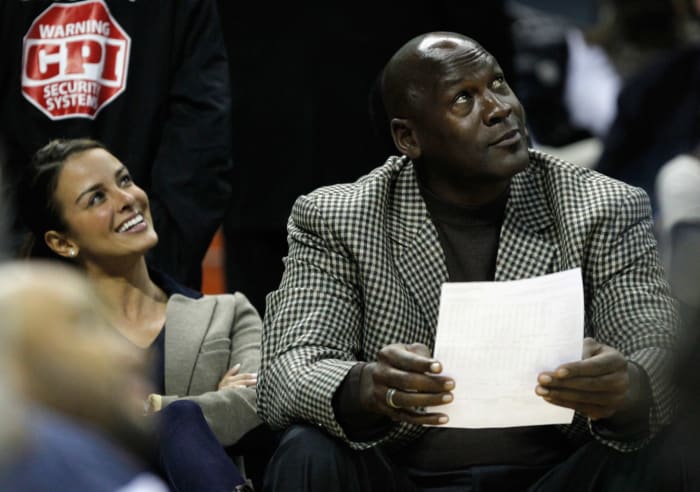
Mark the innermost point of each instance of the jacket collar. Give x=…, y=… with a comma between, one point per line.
x=419, y=259
x=526, y=248
x=187, y=325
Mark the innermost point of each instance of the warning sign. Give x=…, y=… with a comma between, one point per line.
x=75, y=60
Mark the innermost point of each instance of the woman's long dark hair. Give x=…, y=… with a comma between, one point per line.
x=38, y=208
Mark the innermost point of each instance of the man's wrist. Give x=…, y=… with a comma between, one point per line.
x=365, y=387
x=631, y=421
x=639, y=390
x=353, y=409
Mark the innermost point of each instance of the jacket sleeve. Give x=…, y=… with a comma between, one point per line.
x=231, y=412
x=631, y=307
x=191, y=174
x=313, y=328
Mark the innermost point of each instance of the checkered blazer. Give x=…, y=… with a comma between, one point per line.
x=365, y=267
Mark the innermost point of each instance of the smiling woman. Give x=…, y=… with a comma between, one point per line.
x=105, y=215
x=81, y=206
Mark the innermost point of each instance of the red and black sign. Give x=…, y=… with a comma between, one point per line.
x=75, y=60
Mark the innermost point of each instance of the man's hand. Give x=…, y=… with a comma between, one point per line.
x=597, y=386
x=415, y=378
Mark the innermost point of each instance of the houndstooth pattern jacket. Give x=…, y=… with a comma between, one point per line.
x=365, y=267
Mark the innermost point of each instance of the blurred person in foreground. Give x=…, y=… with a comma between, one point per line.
x=72, y=389
x=81, y=205
x=348, y=336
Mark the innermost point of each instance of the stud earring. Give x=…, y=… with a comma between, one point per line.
x=72, y=252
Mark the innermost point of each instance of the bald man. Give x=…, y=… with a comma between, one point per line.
x=348, y=335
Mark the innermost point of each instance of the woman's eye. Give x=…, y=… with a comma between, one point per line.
x=97, y=197
x=125, y=180
x=499, y=81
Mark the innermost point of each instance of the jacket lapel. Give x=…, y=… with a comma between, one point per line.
x=184, y=332
x=419, y=259
x=525, y=248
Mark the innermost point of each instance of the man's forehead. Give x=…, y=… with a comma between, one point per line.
x=457, y=68
x=435, y=45
x=448, y=56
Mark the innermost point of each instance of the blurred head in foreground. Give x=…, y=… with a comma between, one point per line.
x=62, y=355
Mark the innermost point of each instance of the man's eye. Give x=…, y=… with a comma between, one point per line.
x=499, y=82
x=463, y=97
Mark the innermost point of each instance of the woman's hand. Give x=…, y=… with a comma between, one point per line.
x=234, y=380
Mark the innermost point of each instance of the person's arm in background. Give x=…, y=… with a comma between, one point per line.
x=191, y=173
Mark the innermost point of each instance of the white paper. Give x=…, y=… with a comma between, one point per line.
x=494, y=338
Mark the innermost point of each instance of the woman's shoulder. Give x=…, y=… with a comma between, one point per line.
x=219, y=304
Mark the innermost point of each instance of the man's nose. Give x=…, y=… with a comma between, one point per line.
x=496, y=109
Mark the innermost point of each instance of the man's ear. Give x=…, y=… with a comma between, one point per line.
x=405, y=138
x=60, y=244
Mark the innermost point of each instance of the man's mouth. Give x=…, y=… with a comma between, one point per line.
x=132, y=222
x=507, y=139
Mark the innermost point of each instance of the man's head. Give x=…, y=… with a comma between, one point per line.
x=452, y=112
x=62, y=353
